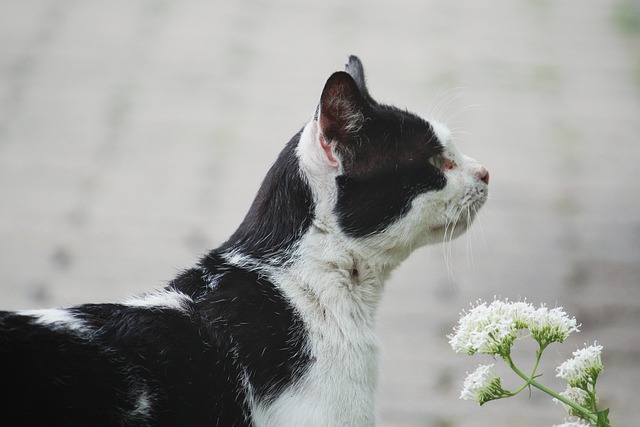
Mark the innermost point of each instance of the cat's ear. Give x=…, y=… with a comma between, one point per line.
x=356, y=70
x=340, y=112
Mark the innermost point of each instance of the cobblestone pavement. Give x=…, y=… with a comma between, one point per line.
x=133, y=135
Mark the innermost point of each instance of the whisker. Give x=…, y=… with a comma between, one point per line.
x=470, y=262
x=449, y=217
x=461, y=111
x=442, y=102
x=480, y=227
x=449, y=232
x=458, y=133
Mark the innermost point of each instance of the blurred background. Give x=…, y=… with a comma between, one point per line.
x=134, y=134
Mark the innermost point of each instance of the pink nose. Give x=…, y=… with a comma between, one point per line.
x=483, y=175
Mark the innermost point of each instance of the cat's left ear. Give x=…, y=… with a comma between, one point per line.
x=356, y=70
x=341, y=113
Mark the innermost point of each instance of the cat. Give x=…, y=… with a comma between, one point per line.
x=276, y=327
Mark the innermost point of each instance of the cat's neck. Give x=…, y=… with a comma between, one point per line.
x=291, y=233
x=329, y=283
x=280, y=214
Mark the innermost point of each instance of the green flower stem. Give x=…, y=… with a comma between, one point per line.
x=533, y=372
x=588, y=414
x=531, y=381
x=592, y=394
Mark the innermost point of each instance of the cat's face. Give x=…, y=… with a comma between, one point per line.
x=384, y=177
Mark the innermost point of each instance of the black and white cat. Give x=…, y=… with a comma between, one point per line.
x=277, y=326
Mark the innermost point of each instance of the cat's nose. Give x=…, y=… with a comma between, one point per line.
x=483, y=174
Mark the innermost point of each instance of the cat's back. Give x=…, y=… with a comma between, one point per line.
x=148, y=361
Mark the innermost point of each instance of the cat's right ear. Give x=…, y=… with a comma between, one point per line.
x=340, y=113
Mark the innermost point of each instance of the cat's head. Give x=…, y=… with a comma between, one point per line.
x=382, y=175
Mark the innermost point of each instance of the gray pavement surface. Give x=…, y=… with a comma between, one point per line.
x=134, y=134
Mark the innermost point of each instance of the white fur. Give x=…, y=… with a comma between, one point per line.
x=56, y=318
x=339, y=315
x=170, y=299
x=457, y=203
x=336, y=283
x=143, y=406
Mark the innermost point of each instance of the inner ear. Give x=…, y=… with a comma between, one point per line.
x=341, y=109
x=328, y=151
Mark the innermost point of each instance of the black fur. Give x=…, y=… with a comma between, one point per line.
x=281, y=212
x=236, y=337
x=191, y=364
x=385, y=162
x=387, y=171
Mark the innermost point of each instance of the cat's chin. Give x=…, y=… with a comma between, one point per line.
x=449, y=231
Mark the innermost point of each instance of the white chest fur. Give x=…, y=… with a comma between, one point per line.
x=337, y=300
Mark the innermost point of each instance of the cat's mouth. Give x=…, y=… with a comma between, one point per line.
x=460, y=217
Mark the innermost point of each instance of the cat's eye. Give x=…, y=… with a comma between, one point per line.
x=437, y=160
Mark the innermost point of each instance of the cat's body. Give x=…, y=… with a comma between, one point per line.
x=277, y=326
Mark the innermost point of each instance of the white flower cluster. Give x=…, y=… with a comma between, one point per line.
x=583, y=368
x=573, y=424
x=492, y=329
x=483, y=385
x=551, y=325
x=577, y=396
x=574, y=394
